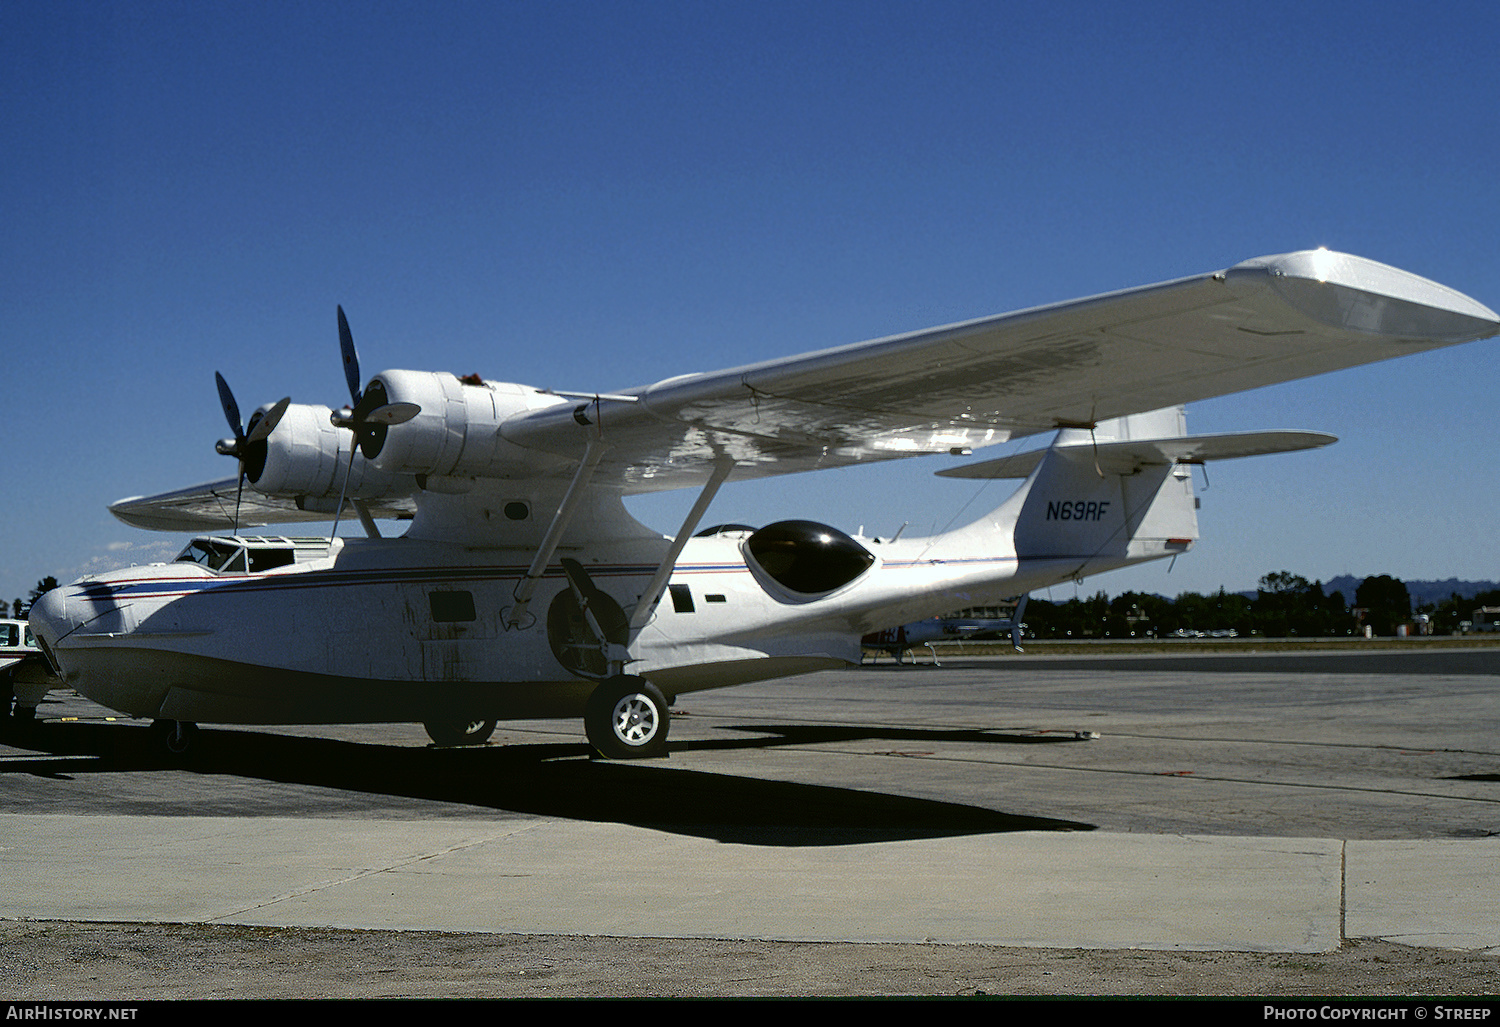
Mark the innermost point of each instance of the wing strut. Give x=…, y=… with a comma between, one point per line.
x=658, y=584
x=560, y=520
x=366, y=518
x=1015, y=623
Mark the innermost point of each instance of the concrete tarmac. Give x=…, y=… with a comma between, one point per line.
x=1249, y=802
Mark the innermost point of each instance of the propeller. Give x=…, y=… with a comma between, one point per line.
x=249, y=444
x=369, y=413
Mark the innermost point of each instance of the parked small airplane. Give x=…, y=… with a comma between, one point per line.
x=951, y=627
x=522, y=588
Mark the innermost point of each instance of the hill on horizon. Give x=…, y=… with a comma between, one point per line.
x=1420, y=591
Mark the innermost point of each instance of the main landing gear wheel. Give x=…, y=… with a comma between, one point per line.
x=626, y=718
x=459, y=732
x=177, y=737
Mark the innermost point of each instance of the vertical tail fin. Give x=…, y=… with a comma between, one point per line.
x=1096, y=499
x=1110, y=494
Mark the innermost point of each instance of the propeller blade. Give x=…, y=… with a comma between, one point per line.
x=267, y=424
x=392, y=413
x=231, y=408
x=351, y=358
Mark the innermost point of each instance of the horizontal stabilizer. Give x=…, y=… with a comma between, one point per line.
x=1133, y=454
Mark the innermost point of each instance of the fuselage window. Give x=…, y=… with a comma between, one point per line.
x=265, y=559
x=451, y=607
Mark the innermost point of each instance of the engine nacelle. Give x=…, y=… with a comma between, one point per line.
x=307, y=456
x=457, y=434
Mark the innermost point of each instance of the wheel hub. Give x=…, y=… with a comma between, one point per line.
x=635, y=719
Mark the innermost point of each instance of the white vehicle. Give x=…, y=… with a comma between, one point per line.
x=522, y=587
x=25, y=677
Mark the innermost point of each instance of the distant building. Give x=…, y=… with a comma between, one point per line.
x=1486, y=618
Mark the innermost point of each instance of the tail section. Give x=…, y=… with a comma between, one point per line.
x=1108, y=497
x=1118, y=494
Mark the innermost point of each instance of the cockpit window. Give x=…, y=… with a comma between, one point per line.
x=211, y=554
x=229, y=557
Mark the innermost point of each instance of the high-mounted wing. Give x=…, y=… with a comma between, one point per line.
x=211, y=507
x=944, y=390
x=1268, y=320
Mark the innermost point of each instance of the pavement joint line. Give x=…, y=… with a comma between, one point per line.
x=1343, y=889
x=369, y=872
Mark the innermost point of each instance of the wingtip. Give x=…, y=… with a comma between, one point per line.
x=1346, y=291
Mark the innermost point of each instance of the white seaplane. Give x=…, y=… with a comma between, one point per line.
x=522, y=588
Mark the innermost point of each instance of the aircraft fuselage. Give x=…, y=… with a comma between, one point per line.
x=399, y=630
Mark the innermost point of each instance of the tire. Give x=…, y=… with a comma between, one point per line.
x=627, y=719
x=177, y=738
x=459, y=732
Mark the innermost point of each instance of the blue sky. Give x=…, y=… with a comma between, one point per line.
x=598, y=195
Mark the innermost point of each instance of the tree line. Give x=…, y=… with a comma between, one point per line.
x=1284, y=605
x=18, y=608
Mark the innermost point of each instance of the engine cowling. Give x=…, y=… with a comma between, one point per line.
x=457, y=434
x=307, y=456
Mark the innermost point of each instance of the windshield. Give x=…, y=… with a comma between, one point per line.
x=230, y=557
x=215, y=555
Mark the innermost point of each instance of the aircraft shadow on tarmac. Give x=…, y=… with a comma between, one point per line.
x=551, y=780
